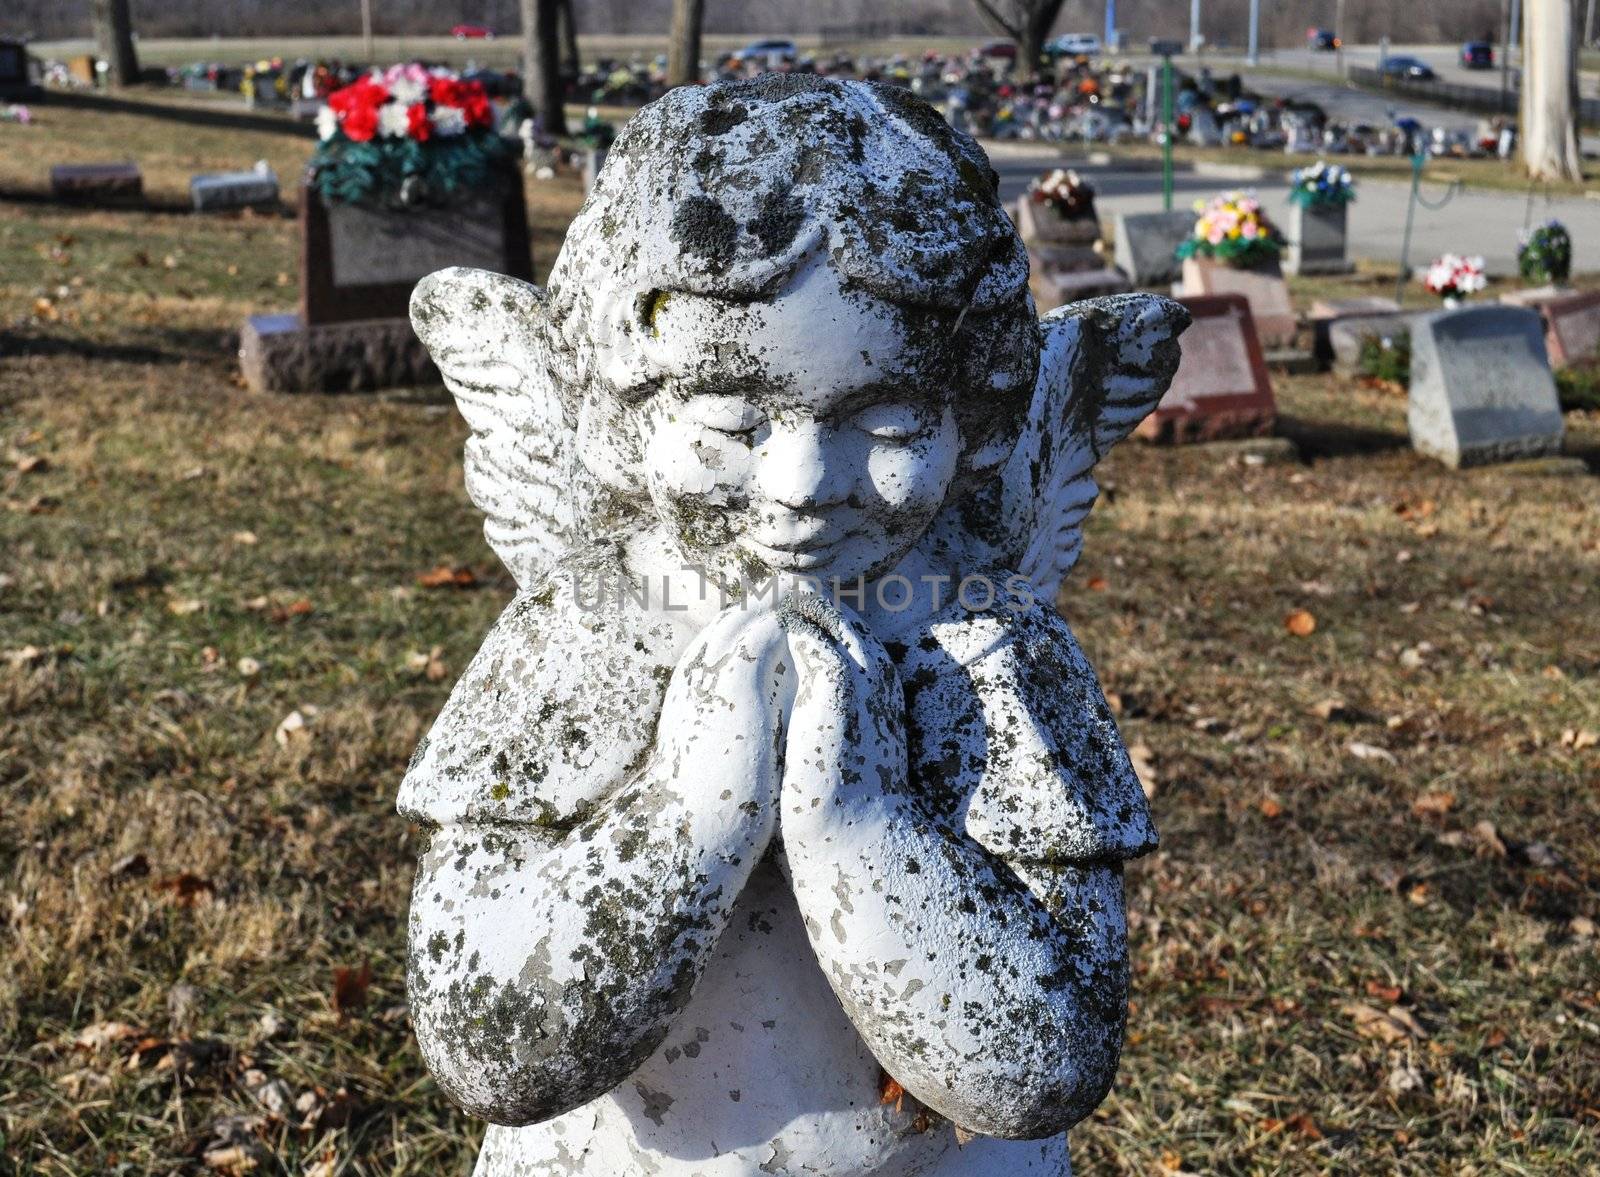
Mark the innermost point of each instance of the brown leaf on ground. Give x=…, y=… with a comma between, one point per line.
x=1489, y=839
x=1435, y=803
x=187, y=889
x=889, y=1090
x=33, y=464
x=1388, y=994
x=297, y=608
x=1271, y=809
x=445, y=576
x=1579, y=738
x=1383, y=1026
x=350, y=988
x=1417, y=510
x=1144, y=767
x=103, y=1034
x=1097, y=584
x=1302, y=623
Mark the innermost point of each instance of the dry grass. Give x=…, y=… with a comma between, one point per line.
x=166, y=863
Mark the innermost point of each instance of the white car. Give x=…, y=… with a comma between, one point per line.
x=1075, y=45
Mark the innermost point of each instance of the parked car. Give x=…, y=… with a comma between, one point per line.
x=1477, y=55
x=1322, y=40
x=999, y=50
x=1411, y=68
x=472, y=33
x=1074, y=45
x=760, y=50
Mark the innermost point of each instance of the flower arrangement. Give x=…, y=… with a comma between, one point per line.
x=15, y=114
x=1452, y=277
x=1233, y=229
x=1322, y=185
x=406, y=136
x=1546, y=253
x=1065, y=192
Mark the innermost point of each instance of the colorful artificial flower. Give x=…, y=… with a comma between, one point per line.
x=1321, y=184
x=1451, y=276
x=1545, y=254
x=1232, y=228
x=1064, y=191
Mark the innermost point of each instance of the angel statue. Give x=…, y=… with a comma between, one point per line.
x=778, y=826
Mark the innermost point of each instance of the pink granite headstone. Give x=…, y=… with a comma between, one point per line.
x=1222, y=389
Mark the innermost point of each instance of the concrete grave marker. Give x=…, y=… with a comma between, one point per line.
x=1221, y=389
x=1317, y=239
x=98, y=183
x=257, y=188
x=1481, y=388
x=1064, y=265
x=1147, y=245
x=1262, y=286
x=1326, y=312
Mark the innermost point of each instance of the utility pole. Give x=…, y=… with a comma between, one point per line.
x=1196, y=39
x=1513, y=36
x=1588, y=25
x=366, y=31
x=1111, y=25
x=1338, y=37
x=1254, y=57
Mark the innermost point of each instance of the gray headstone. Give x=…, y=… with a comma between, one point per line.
x=1317, y=240
x=98, y=183
x=593, y=160
x=370, y=246
x=224, y=190
x=1481, y=388
x=1052, y=288
x=1347, y=335
x=1147, y=245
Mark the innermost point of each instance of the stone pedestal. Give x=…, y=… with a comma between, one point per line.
x=1317, y=239
x=1221, y=389
x=280, y=353
x=1481, y=388
x=1263, y=287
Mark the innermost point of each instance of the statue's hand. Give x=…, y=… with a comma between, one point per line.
x=846, y=743
x=721, y=721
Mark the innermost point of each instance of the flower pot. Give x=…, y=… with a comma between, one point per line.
x=1317, y=239
x=1262, y=286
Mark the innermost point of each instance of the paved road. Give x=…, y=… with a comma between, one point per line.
x=1485, y=223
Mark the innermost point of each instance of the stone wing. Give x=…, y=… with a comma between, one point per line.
x=1103, y=366
x=484, y=332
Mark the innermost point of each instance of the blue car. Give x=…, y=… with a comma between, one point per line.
x=1477, y=55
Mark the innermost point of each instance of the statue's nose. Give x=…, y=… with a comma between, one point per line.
x=798, y=471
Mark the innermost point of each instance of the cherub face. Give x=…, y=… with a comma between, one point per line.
x=809, y=434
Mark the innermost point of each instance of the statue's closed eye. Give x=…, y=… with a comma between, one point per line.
x=892, y=422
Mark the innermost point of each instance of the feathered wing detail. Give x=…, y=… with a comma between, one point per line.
x=1103, y=366
x=484, y=332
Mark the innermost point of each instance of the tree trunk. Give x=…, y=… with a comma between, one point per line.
x=683, y=55
x=570, y=62
x=1549, y=125
x=541, y=57
x=1030, y=51
x=113, y=34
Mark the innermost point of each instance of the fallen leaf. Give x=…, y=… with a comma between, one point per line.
x=1434, y=804
x=1271, y=809
x=1388, y=994
x=1302, y=623
x=1579, y=738
x=1489, y=838
x=1144, y=767
x=1097, y=584
x=963, y=1137
x=1334, y=710
x=184, y=606
x=293, y=726
x=1582, y=926
x=1403, y=1078
x=1375, y=1023
x=244, y=537
x=103, y=1034
x=248, y=668
x=1303, y=1124
x=889, y=1090
x=297, y=608
x=1370, y=752
x=187, y=889
x=444, y=576
x=350, y=988
x=33, y=464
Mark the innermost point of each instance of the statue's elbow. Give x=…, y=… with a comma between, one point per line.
x=1048, y=1101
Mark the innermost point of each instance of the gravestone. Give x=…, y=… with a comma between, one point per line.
x=1064, y=265
x=1348, y=334
x=1534, y=296
x=1325, y=312
x=1262, y=286
x=1222, y=389
x=257, y=188
x=594, y=158
x=1481, y=388
x=98, y=183
x=16, y=82
x=1572, y=328
x=1317, y=239
x=1146, y=245
x=358, y=266
x=84, y=69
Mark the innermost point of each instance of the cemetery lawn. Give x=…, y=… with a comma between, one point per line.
x=1365, y=692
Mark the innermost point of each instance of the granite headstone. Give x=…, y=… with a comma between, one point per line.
x=1326, y=312
x=1572, y=328
x=16, y=82
x=98, y=183
x=215, y=191
x=1317, y=240
x=1481, y=388
x=1146, y=245
x=1222, y=389
x=1262, y=286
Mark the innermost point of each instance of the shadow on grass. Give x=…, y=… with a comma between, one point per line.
x=232, y=120
x=188, y=347
x=1337, y=439
x=145, y=204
